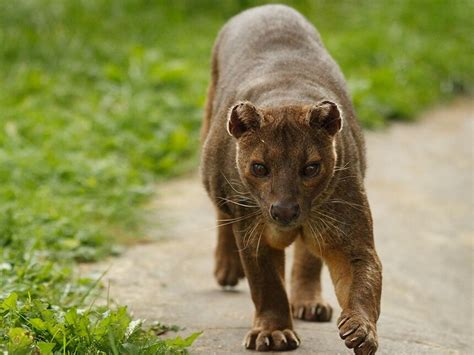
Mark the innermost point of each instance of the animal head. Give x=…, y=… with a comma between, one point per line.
x=286, y=156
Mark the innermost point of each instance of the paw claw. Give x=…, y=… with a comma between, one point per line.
x=316, y=311
x=319, y=310
x=364, y=335
x=342, y=321
x=349, y=332
x=277, y=340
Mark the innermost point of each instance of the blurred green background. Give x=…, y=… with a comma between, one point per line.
x=100, y=99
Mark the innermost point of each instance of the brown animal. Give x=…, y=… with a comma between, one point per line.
x=283, y=161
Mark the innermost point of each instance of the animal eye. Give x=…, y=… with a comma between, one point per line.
x=259, y=170
x=311, y=170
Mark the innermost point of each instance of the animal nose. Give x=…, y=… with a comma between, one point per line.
x=285, y=212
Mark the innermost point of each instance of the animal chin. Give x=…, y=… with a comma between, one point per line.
x=283, y=226
x=281, y=236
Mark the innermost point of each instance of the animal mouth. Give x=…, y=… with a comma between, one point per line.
x=283, y=225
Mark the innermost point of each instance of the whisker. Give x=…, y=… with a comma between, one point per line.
x=231, y=185
x=347, y=177
x=350, y=204
x=325, y=228
x=332, y=222
x=315, y=237
x=236, y=203
x=235, y=219
x=344, y=167
x=247, y=241
x=238, y=219
x=258, y=243
x=331, y=230
x=328, y=215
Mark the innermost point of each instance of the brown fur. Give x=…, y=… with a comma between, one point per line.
x=277, y=98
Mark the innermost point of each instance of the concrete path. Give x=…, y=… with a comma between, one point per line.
x=420, y=186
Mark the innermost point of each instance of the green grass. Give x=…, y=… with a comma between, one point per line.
x=100, y=99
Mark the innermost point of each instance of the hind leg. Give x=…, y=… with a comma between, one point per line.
x=306, y=300
x=228, y=267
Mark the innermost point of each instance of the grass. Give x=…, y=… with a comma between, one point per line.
x=100, y=99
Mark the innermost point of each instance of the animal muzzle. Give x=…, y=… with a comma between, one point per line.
x=285, y=212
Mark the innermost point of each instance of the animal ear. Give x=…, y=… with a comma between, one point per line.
x=325, y=115
x=242, y=118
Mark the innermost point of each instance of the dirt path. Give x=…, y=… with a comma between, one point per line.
x=420, y=185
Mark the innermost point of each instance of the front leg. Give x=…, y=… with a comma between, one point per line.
x=307, y=302
x=264, y=267
x=357, y=277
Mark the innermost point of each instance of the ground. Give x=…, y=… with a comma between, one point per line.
x=420, y=187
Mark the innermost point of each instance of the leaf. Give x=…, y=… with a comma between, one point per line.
x=71, y=316
x=19, y=340
x=38, y=323
x=9, y=303
x=45, y=348
x=186, y=342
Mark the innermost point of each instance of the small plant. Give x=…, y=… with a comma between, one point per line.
x=45, y=308
x=54, y=330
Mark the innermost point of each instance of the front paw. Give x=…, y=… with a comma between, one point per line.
x=314, y=311
x=358, y=333
x=271, y=340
